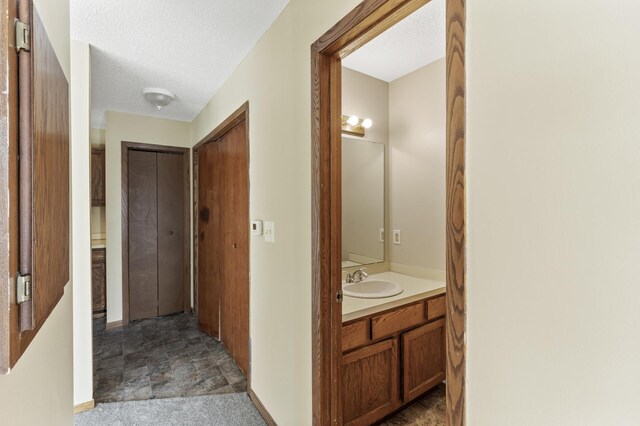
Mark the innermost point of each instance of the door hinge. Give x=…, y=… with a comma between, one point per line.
x=23, y=36
x=24, y=288
x=339, y=296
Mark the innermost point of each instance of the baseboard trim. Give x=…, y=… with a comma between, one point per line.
x=113, y=325
x=263, y=411
x=85, y=406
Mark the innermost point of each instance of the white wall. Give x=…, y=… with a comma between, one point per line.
x=81, y=229
x=276, y=79
x=129, y=128
x=553, y=179
x=417, y=159
x=39, y=389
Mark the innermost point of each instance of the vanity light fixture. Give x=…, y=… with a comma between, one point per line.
x=158, y=97
x=352, y=125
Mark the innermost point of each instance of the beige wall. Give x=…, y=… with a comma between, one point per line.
x=98, y=213
x=553, y=179
x=129, y=128
x=39, y=390
x=275, y=78
x=417, y=158
x=366, y=97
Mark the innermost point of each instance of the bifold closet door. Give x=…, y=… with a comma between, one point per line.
x=143, y=235
x=170, y=234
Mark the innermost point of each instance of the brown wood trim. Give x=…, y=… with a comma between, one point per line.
x=236, y=117
x=456, y=208
x=124, y=208
x=369, y=19
x=9, y=233
x=239, y=116
x=261, y=408
x=85, y=406
x=114, y=325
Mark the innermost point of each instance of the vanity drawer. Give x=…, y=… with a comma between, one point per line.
x=397, y=320
x=355, y=334
x=436, y=308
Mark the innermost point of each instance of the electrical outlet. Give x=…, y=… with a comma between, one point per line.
x=269, y=230
x=396, y=237
x=381, y=235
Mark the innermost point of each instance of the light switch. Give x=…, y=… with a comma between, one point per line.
x=269, y=232
x=396, y=236
x=381, y=235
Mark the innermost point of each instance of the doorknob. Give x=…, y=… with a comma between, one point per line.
x=170, y=232
x=235, y=245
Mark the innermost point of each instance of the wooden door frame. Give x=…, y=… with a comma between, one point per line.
x=186, y=281
x=369, y=19
x=238, y=117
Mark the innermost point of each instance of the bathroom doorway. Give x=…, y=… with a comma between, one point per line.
x=339, y=346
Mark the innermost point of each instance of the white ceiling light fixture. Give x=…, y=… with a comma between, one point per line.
x=158, y=97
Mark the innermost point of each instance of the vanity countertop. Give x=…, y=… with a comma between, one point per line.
x=414, y=289
x=98, y=244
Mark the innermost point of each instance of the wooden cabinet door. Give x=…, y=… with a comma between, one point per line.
x=370, y=387
x=99, y=282
x=423, y=359
x=97, y=177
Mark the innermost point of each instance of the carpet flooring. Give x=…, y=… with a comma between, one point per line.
x=229, y=410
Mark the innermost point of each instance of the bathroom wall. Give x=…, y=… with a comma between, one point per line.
x=39, y=389
x=98, y=213
x=553, y=208
x=130, y=128
x=365, y=97
x=417, y=159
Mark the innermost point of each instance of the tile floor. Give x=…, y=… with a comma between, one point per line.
x=430, y=410
x=162, y=357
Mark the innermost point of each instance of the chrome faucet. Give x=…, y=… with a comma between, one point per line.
x=357, y=276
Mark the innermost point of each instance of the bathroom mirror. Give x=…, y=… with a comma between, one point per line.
x=362, y=202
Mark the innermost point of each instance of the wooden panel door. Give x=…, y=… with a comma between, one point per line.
x=97, y=177
x=423, y=359
x=143, y=235
x=170, y=234
x=208, y=266
x=234, y=223
x=370, y=388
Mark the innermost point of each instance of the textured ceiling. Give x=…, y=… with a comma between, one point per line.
x=414, y=42
x=188, y=47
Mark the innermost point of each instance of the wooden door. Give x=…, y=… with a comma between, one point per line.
x=170, y=234
x=143, y=235
x=208, y=268
x=223, y=242
x=423, y=359
x=234, y=214
x=156, y=199
x=370, y=388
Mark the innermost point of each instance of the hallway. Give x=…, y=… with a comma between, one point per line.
x=163, y=357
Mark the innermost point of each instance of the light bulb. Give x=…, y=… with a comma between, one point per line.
x=353, y=120
x=367, y=123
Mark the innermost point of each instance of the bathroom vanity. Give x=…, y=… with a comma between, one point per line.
x=393, y=348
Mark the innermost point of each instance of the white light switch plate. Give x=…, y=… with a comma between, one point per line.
x=396, y=237
x=269, y=232
x=381, y=235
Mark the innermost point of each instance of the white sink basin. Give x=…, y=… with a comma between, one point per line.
x=372, y=289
